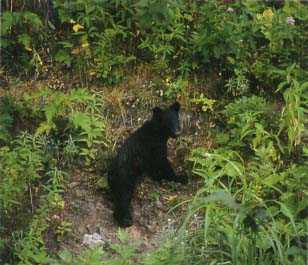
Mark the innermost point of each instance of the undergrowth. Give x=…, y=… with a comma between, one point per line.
x=69, y=130
x=241, y=65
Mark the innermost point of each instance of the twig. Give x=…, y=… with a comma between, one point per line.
x=31, y=199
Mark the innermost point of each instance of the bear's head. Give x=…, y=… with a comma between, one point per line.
x=168, y=119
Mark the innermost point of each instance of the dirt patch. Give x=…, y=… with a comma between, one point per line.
x=90, y=211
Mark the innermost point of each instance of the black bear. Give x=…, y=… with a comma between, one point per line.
x=144, y=152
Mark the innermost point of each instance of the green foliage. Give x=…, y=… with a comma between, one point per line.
x=91, y=256
x=262, y=229
x=66, y=126
x=218, y=165
x=30, y=246
x=21, y=170
x=123, y=252
x=163, y=26
x=282, y=32
x=175, y=88
x=247, y=118
x=222, y=34
x=177, y=37
x=169, y=253
x=205, y=103
x=249, y=203
x=77, y=113
x=239, y=84
x=95, y=42
x=7, y=109
x=110, y=62
x=293, y=118
x=19, y=41
x=20, y=166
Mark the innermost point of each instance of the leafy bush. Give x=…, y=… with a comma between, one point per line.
x=247, y=118
x=20, y=166
x=95, y=39
x=251, y=40
x=263, y=229
x=249, y=204
x=239, y=84
x=296, y=106
x=7, y=109
x=88, y=256
x=75, y=116
x=19, y=41
x=29, y=245
x=123, y=252
x=164, y=32
x=66, y=127
x=171, y=252
x=222, y=33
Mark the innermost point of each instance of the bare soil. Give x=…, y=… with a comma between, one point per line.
x=91, y=211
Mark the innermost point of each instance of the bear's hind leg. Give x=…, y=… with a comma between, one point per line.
x=122, y=204
x=122, y=211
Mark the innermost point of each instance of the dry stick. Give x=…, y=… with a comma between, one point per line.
x=31, y=199
x=122, y=112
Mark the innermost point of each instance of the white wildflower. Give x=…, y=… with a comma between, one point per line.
x=230, y=10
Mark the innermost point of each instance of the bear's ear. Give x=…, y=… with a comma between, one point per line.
x=175, y=106
x=157, y=112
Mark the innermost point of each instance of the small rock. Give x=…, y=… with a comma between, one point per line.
x=92, y=207
x=134, y=233
x=73, y=185
x=93, y=240
x=290, y=21
x=79, y=193
x=142, y=247
x=159, y=204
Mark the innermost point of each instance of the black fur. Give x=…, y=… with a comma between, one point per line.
x=143, y=153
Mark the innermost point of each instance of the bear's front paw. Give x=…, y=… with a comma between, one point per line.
x=182, y=179
x=124, y=220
